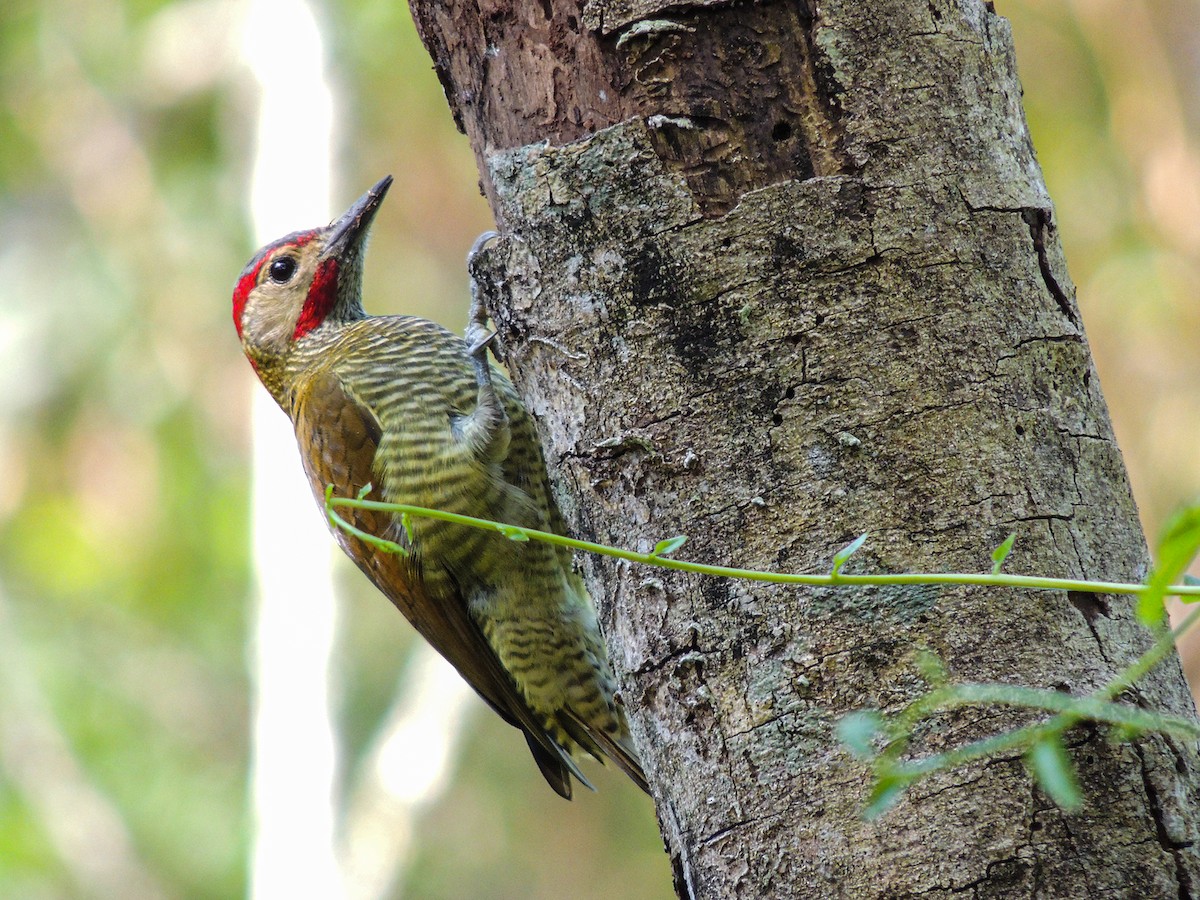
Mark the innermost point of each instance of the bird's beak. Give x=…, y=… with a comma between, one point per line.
x=351, y=228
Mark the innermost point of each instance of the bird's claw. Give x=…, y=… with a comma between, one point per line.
x=480, y=242
x=478, y=336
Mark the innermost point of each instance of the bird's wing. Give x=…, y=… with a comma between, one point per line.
x=338, y=437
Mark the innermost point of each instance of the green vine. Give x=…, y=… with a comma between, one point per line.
x=883, y=740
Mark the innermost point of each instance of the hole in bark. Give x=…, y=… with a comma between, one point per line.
x=819, y=319
x=781, y=132
x=789, y=394
x=1090, y=606
x=1020, y=430
x=1036, y=826
x=777, y=419
x=573, y=23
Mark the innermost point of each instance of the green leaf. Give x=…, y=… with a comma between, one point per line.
x=513, y=533
x=366, y=489
x=406, y=524
x=1177, y=547
x=858, y=730
x=382, y=543
x=1000, y=554
x=1055, y=773
x=374, y=540
x=840, y=558
x=1190, y=581
x=885, y=792
x=669, y=546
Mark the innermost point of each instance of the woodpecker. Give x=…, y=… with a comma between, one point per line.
x=407, y=407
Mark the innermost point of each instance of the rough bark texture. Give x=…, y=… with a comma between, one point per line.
x=775, y=276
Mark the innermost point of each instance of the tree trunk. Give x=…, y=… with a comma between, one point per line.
x=777, y=275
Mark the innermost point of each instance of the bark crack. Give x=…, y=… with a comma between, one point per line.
x=1091, y=607
x=681, y=657
x=1039, y=221
x=681, y=868
x=1154, y=805
x=722, y=832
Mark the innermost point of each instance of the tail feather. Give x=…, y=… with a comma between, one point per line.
x=601, y=744
x=557, y=769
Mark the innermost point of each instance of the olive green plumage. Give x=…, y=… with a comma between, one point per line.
x=406, y=406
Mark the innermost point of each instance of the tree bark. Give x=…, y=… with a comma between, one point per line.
x=776, y=275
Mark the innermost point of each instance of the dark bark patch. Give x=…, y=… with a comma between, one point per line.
x=1090, y=606
x=738, y=96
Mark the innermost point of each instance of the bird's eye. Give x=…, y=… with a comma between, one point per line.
x=282, y=269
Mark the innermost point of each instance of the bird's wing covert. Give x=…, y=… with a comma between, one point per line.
x=339, y=436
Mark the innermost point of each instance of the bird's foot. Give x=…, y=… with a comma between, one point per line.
x=486, y=429
x=479, y=337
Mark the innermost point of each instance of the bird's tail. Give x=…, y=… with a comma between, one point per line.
x=600, y=744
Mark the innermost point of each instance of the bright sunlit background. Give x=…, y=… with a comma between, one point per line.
x=132, y=182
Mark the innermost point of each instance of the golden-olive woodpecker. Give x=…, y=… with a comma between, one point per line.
x=403, y=405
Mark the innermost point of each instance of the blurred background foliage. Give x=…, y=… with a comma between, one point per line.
x=126, y=131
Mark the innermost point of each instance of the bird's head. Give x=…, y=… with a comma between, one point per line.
x=303, y=281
